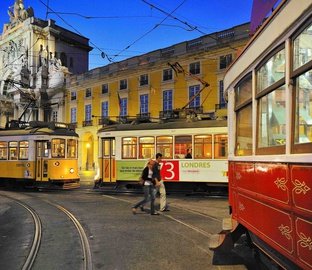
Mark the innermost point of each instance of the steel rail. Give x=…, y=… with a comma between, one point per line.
x=87, y=257
x=37, y=237
x=37, y=234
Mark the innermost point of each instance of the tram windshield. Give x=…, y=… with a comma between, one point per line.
x=58, y=148
x=71, y=148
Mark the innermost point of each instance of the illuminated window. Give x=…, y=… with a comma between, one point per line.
x=23, y=150
x=220, y=146
x=72, y=148
x=146, y=147
x=203, y=146
x=58, y=148
x=13, y=150
x=129, y=147
x=181, y=144
x=3, y=150
x=164, y=145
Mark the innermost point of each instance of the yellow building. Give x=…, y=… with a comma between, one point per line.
x=165, y=83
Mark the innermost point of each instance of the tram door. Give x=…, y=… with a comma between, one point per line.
x=42, y=157
x=108, y=160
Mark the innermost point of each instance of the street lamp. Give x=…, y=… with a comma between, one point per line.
x=87, y=162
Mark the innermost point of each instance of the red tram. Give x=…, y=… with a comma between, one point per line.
x=269, y=90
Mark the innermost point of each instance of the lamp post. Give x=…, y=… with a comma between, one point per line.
x=87, y=162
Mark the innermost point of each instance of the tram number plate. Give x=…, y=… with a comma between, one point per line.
x=170, y=170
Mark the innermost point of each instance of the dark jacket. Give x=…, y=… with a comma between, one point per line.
x=145, y=174
x=156, y=171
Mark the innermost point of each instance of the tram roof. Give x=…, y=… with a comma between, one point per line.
x=39, y=128
x=179, y=124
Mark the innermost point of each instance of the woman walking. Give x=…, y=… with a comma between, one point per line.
x=148, y=188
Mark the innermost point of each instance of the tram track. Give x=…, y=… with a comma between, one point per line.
x=31, y=257
x=34, y=249
x=86, y=250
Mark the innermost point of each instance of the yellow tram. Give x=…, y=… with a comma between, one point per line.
x=39, y=154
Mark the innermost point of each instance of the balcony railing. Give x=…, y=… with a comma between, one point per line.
x=220, y=106
x=143, y=117
x=87, y=123
x=73, y=125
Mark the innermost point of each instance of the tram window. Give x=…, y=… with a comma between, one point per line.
x=203, y=146
x=71, y=148
x=129, y=147
x=243, y=144
x=303, y=114
x=220, y=146
x=3, y=150
x=58, y=148
x=272, y=71
x=302, y=48
x=146, y=147
x=272, y=119
x=23, y=150
x=13, y=150
x=164, y=145
x=181, y=144
x=244, y=131
x=302, y=62
x=243, y=91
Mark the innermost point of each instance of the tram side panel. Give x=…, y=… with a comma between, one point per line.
x=17, y=169
x=213, y=171
x=273, y=201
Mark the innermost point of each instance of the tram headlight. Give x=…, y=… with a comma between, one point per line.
x=71, y=170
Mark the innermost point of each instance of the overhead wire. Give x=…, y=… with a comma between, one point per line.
x=103, y=54
x=191, y=27
x=148, y=32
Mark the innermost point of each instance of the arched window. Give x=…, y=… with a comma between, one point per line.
x=64, y=59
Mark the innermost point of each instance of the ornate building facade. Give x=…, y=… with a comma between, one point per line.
x=183, y=80
x=35, y=58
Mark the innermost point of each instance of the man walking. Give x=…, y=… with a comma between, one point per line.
x=160, y=183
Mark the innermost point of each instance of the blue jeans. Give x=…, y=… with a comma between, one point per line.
x=149, y=195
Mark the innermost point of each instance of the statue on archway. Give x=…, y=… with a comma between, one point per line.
x=17, y=12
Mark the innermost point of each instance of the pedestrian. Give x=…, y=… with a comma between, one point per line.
x=160, y=184
x=149, y=189
x=188, y=153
